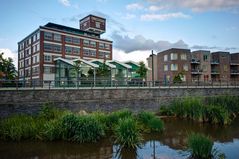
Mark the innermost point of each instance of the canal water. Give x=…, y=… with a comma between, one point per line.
x=169, y=145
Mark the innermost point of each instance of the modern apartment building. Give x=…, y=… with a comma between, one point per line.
x=196, y=66
x=37, y=51
x=174, y=62
x=200, y=65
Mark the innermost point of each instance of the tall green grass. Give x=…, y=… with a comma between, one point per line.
x=200, y=146
x=149, y=122
x=215, y=110
x=55, y=124
x=128, y=133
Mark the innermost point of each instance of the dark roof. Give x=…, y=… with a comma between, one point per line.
x=90, y=15
x=69, y=29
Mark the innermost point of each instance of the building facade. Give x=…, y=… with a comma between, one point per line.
x=197, y=66
x=174, y=63
x=37, y=51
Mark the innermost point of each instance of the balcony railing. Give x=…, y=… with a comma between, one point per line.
x=196, y=71
x=215, y=62
x=235, y=72
x=195, y=61
x=215, y=72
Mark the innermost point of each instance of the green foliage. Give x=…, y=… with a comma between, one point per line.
x=142, y=70
x=103, y=70
x=69, y=125
x=201, y=146
x=52, y=130
x=196, y=109
x=114, y=117
x=18, y=127
x=127, y=133
x=7, y=68
x=165, y=110
x=178, y=78
x=149, y=122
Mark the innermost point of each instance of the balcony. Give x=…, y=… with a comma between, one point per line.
x=215, y=72
x=234, y=63
x=215, y=62
x=196, y=71
x=195, y=61
x=234, y=72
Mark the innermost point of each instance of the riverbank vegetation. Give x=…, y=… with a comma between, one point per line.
x=53, y=124
x=214, y=110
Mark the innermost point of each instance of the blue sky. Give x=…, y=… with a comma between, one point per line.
x=135, y=26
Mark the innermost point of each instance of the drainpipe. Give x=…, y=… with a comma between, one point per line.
x=153, y=68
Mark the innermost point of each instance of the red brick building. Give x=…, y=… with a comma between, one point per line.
x=37, y=51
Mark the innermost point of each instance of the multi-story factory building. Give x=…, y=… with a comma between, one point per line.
x=37, y=51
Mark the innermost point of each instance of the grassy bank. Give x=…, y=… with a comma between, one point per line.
x=215, y=110
x=54, y=124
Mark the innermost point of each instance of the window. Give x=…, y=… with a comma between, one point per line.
x=101, y=45
x=48, y=69
x=165, y=58
x=104, y=54
x=47, y=47
x=86, y=42
x=76, y=40
x=97, y=24
x=183, y=57
x=35, y=70
x=204, y=67
x=68, y=39
x=57, y=37
x=38, y=47
x=174, y=56
x=92, y=43
x=68, y=50
x=174, y=67
x=107, y=46
x=185, y=67
x=27, y=62
x=47, y=58
x=57, y=48
x=88, y=52
x=76, y=50
x=38, y=36
x=225, y=68
x=47, y=36
x=35, y=59
x=205, y=57
x=165, y=67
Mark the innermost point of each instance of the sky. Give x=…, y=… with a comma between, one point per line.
x=135, y=26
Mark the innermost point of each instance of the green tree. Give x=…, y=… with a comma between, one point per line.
x=103, y=70
x=7, y=68
x=142, y=70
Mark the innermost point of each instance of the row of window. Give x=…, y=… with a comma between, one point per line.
x=87, y=52
x=174, y=67
x=174, y=56
x=35, y=48
x=73, y=40
x=103, y=54
x=72, y=50
x=27, y=42
x=52, y=48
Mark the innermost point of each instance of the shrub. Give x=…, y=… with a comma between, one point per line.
x=156, y=124
x=114, y=117
x=88, y=130
x=149, y=122
x=18, y=127
x=52, y=130
x=200, y=146
x=127, y=133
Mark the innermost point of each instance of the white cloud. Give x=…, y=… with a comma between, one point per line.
x=9, y=53
x=140, y=43
x=135, y=56
x=199, y=5
x=154, y=8
x=65, y=3
x=134, y=6
x=163, y=17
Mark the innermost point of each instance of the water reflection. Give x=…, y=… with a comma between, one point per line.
x=171, y=144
